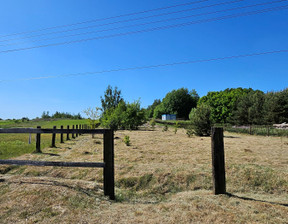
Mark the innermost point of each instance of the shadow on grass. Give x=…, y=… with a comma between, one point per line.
x=252, y=199
x=46, y=153
x=231, y=136
x=87, y=192
x=50, y=154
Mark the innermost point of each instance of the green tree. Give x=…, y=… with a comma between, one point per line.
x=125, y=116
x=223, y=103
x=276, y=107
x=114, y=118
x=200, y=120
x=179, y=102
x=45, y=115
x=112, y=97
x=250, y=109
x=151, y=108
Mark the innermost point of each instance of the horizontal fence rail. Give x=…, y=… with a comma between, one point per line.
x=108, y=151
x=51, y=163
x=51, y=131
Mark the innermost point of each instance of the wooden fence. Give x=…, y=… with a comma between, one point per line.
x=107, y=165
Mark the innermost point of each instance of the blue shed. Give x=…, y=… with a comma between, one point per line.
x=166, y=117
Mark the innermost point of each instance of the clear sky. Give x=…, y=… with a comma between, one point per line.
x=240, y=35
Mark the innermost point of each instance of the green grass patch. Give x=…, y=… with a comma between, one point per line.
x=49, y=123
x=13, y=145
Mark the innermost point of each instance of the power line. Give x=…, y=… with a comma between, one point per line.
x=107, y=18
x=134, y=19
x=153, y=66
x=147, y=23
x=151, y=29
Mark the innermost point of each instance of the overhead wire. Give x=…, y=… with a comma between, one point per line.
x=147, y=23
x=135, y=19
x=151, y=29
x=107, y=18
x=152, y=66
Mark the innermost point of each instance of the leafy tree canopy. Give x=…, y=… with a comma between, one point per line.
x=223, y=103
x=125, y=116
x=151, y=108
x=112, y=97
x=179, y=102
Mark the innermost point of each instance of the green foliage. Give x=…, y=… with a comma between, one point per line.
x=249, y=109
x=125, y=116
x=176, y=126
x=151, y=108
x=25, y=119
x=152, y=123
x=223, y=103
x=276, y=107
x=126, y=140
x=177, y=102
x=45, y=115
x=200, y=120
x=114, y=118
x=247, y=106
x=112, y=97
x=189, y=131
x=165, y=128
x=60, y=115
x=158, y=111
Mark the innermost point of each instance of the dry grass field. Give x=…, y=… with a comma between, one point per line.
x=161, y=177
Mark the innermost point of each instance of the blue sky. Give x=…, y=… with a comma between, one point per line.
x=241, y=35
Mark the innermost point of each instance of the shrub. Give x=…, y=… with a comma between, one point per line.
x=152, y=123
x=126, y=140
x=176, y=127
x=165, y=128
x=125, y=116
x=200, y=120
x=189, y=131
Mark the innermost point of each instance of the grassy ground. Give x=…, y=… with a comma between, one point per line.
x=161, y=177
x=12, y=145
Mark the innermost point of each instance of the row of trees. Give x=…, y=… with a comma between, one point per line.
x=239, y=106
x=247, y=106
x=60, y=115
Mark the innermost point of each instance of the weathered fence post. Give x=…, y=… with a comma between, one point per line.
x=108, y=173
x=77, y=130
x=53, y=145
x=38, y=141
x=93, y=127
x=67, y=133
x=61, y=136
x=250, y=129
x=218, y=161
x=73, y=128
x=268, y=131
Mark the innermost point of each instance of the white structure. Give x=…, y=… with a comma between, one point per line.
x=166, y=117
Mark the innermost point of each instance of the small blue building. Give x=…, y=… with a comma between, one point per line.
x=166, y=117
